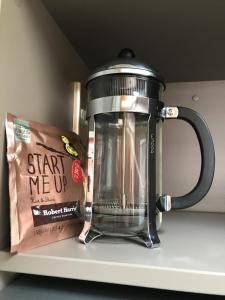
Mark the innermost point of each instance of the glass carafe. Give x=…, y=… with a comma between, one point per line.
x=120, y=195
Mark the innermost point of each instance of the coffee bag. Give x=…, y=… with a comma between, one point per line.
x=45, y=183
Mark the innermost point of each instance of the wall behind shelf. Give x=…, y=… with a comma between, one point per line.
x=184, y=53
x=181, y=154
x=38, y=65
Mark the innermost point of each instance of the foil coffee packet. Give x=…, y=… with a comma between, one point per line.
x=45, y=183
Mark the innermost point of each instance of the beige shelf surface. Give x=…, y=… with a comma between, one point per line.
x=191, y=257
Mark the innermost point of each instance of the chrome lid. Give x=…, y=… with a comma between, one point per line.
x=126, y=63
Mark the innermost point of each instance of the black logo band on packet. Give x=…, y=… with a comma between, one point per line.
x=45, y=214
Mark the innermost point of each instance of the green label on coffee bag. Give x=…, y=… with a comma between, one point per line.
x=22, y=131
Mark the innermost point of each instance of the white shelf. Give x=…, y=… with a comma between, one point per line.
x=191, y=257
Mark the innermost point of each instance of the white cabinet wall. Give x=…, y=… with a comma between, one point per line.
x=37, y=67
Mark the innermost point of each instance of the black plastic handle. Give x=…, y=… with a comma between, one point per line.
x=207, y=155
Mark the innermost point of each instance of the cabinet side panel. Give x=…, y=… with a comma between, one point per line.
x=38, y=66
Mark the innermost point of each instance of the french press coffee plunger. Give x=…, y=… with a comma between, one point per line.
x=125, y=112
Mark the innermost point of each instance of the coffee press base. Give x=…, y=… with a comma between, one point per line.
x=150, y=241
x=91, y=235
x=148, y=238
